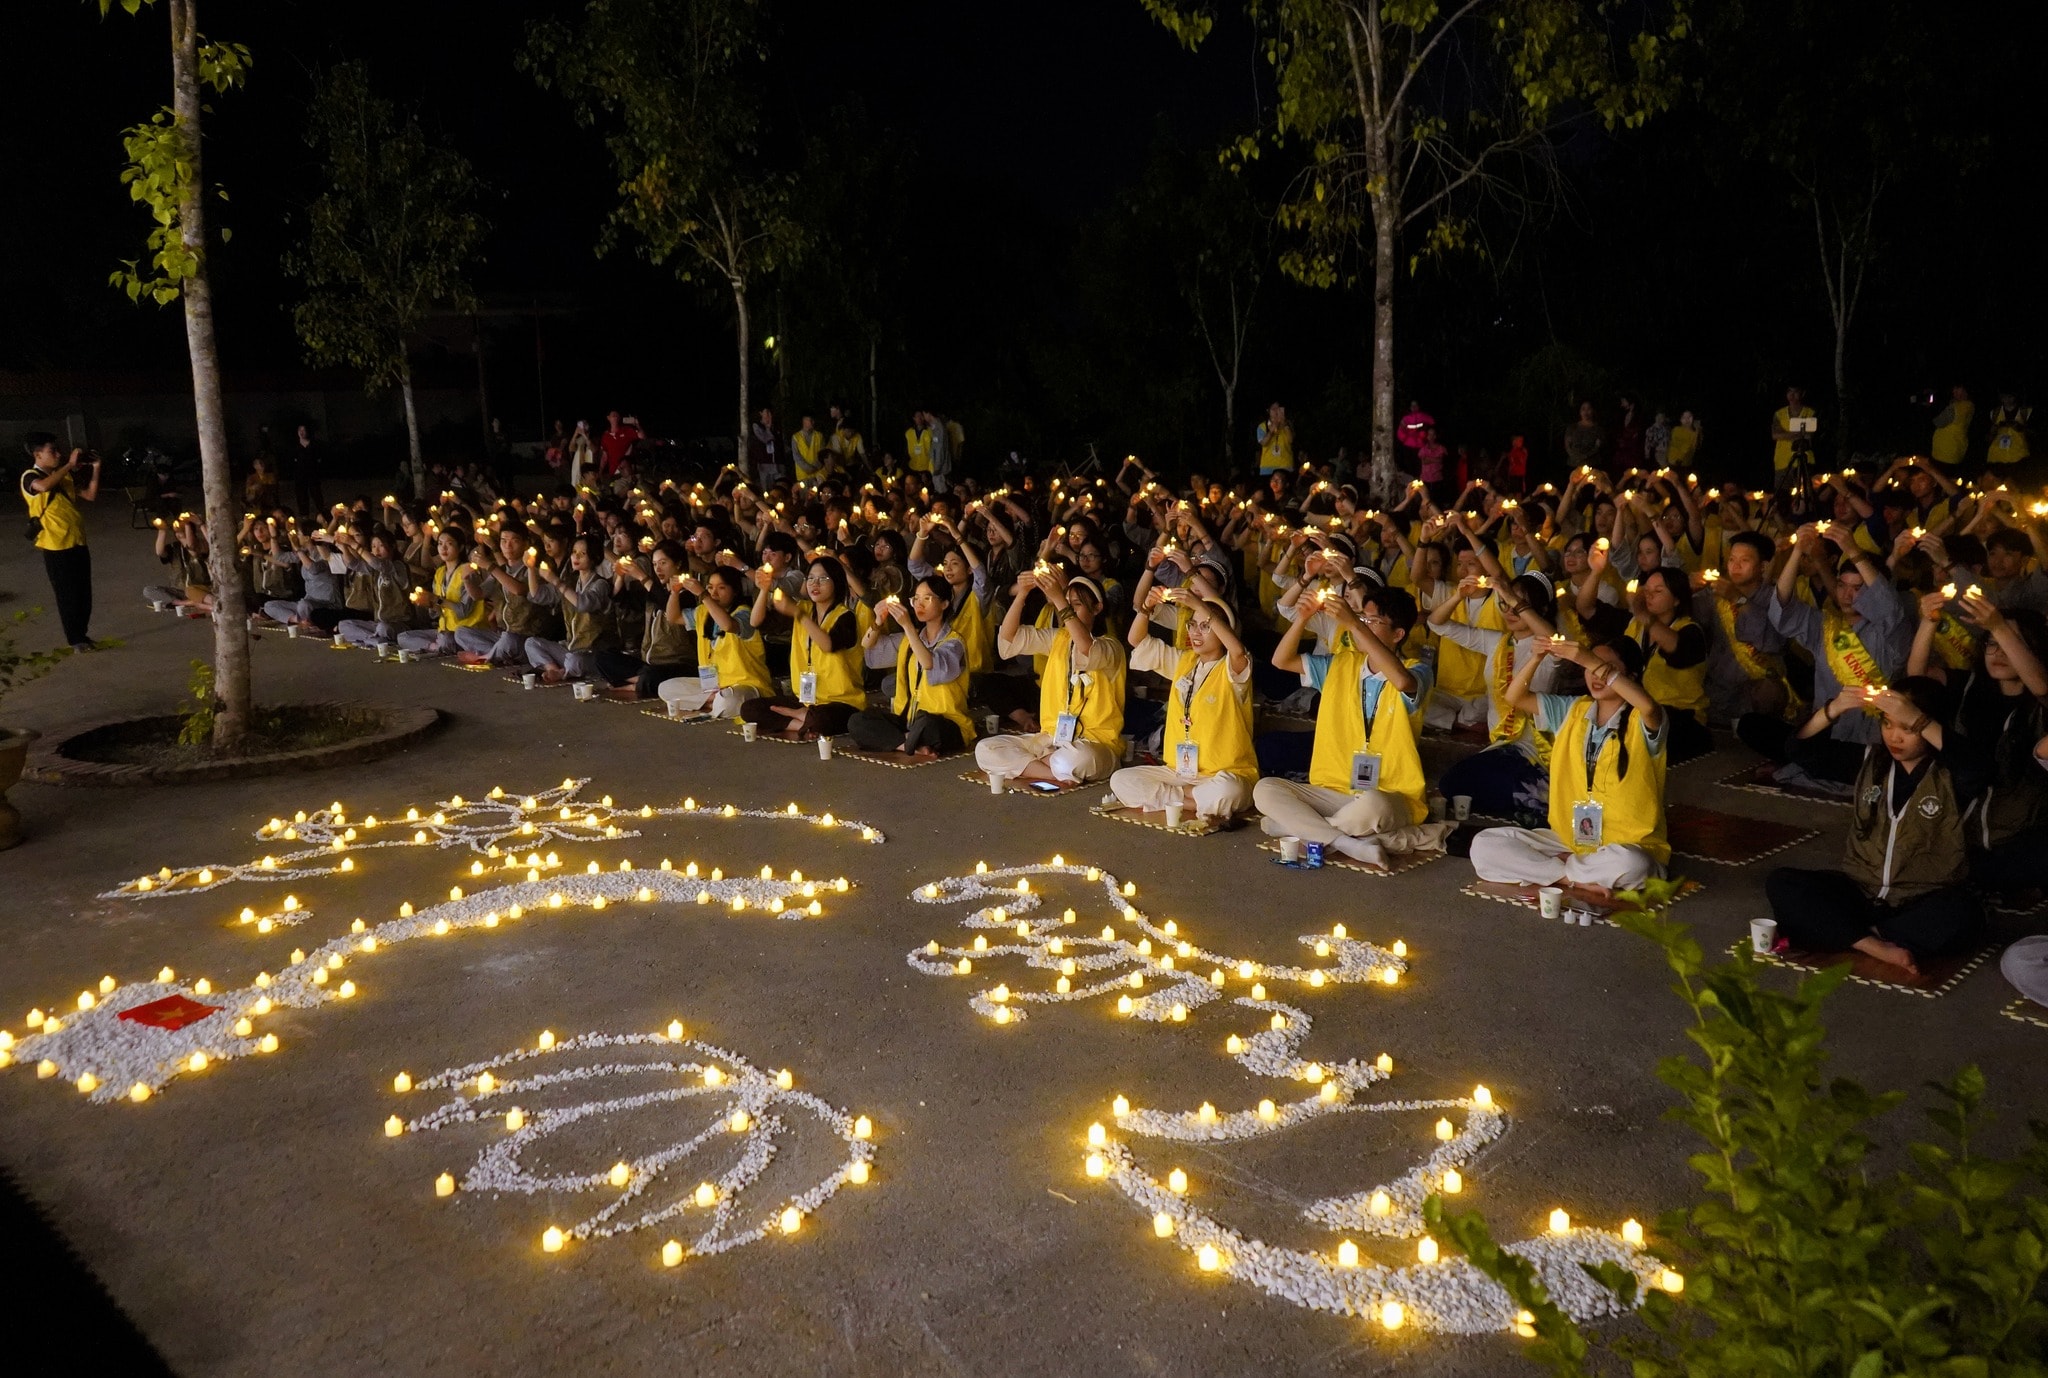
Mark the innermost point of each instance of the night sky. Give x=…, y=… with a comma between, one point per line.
x=1027, y=124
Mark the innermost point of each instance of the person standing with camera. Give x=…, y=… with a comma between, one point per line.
x=57, y=526
x=1792, y=428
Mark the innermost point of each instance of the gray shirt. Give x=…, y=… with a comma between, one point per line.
x=1882, y=631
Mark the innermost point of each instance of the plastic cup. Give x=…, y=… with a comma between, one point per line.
x=1173, y=814
x=338, y=641
x=996, y=783
x=1763, y=935
x=1437, y=806
x=530, y=679
x=675, y=708
x=991, y=725
x=1550, y=899
x=1290, y=849
x=156, y=605
x=383, y=650
x=1461, y=807
x=292, y=632
x=748, y=731
x=585, y=690
x=824, y=748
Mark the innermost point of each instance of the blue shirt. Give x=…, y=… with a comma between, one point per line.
x=1315, y=669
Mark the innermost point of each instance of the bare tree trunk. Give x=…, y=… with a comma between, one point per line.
x=231, y=612
x=739, y=301
x=1841, y=391
x=1385, y=216
x=412, y=427
x=874, y=390
x=1229, y=421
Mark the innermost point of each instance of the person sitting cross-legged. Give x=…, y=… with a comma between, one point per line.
x=1365, y=791
x=1081, y=694
x=1902, y=894
x=1607, y=763
x=1210, y=762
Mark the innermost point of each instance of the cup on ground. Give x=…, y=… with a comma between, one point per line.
x=824, y=748
x=997, y=783
x=383, y=649
x=1290, y=849
x=1550, y=900
x=748, y=731
x=530, y=679
x=339, y=641
x=1173, y=815
x=291, y=632
x=991, y=725
x=585, y=690
x=1763, y=935
x=1461, y=807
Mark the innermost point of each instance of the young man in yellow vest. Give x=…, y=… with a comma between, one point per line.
x=1276, y=442
x=53, y=495
x=1607, y=765
x=1081, y=695
x=917, y=445
x=1902, y=895
x=1746, y=662
x=807, y=448
x=1952, y=427
x=2009, y=441
x=1365, y=791
x=1210, y=764
x=1785, y=438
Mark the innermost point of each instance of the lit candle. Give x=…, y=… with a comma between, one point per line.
x=1385, y=1062
x=1177, y=1182
x=514, y=1118
x=1162, y=1225
x=1426, y=1250
x=444, y=1185
x=551, y=1240
x=1095, y=1165
x=671, y=1254
x=1481, y=1096
x=1560, y=1221
x=1208, y=1259
x=1444, y=1130
x=1393, y=1316
x=1632, y=1232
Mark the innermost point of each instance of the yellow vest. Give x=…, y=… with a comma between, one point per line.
x=918, y=444
x=741, y=661
x=1632, y=809
x=447, y=584
x=1278, y=450
x=2009, y=436
x=1341, y=734
x=839, y=672
x=1952, y=440
x=807, y=448
x=914, y=690
x=57, y=509
x=1685, y=689
x=1781, y=457
x=1219, y=722
x=970, y=622
x=1684, y=440
x=1099, y=703
x=1461, y=672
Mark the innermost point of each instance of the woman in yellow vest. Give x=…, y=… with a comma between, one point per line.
x=1460, y=698
x=1607, y=766
x=732, y=659
x=1081, y=693
x=1276, y=442
x=966, y=575
x=1210, y=765
x=917, y=444
x=825, y=671
x=1675, y=668
x=1365, y=790
x=455, y=594
x=929, y=716
x=1952, y=427
x=807, y=447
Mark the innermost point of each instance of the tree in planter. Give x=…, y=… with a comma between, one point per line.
x=679, y=89
x=391, y=238
x=1800, y=1257
x=1418, y=116
x=164, y=174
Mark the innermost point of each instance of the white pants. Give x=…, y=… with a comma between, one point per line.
x=1080, y=760
x=1315, y=814
x=1221, y=795
x=685, y=694
x=1522, y=856
x=360, y=631
x=1447, y=711
x=427, y=642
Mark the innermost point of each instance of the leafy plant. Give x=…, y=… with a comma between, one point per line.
x=197, y=728
x=1799, y=1257
x=18, y=667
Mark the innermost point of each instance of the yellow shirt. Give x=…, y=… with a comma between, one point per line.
x=840, y=677
x=918, y=444
x=1342, y=732
x=1276, y=451
x=57, y=509
x=1219, y=718
x=1952, y=440
x=1684, y=440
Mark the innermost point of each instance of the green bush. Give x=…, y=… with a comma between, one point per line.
x=197, y=728
x=1799, y=1257
x=18, y=667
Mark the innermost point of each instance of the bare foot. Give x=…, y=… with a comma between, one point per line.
x=471, y=658
x=925, y=753
x=554, y=674
x=1025, y=719
x=1889, y=953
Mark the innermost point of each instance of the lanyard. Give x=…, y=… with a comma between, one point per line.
x=1194, y=680
x=1372, y=686
x=1594, y=744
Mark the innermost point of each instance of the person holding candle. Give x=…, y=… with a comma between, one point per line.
x=456, y=596
x=1675, y=658
x=967, y=578
x=929, y=712
x=1607, y=763
x=504, y=587
x=1081, y=692
x=1746, y=660
x=585, y=600
x=824, y=659
x=1365, y=791
x=1510, y=779
x=666, y=647
x=1210, y=762
x=1901, y=895
x=1467, y=626
x=381, y=579
x=181, y=548
x=732, y=661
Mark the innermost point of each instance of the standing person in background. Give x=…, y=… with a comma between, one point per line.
x=1414, y=427
x=1515, y=466
x=1952, y=427
x=846, y=439
x=617, y=439
x=917, y=446
x=1585, y=441
x=1431, y=457
x=2009, y=433
x=807, y=451
x=942, y=450
x=306, y=459
x=1685, y=442
x=58, y=527
x=1628, y=438
x=1276, y=442
x=1657, y=442
x=1786, y=439
x=582, y=454
x=764, y=450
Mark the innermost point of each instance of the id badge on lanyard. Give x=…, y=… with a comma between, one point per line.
x=1064, y=730
x=1365, y=771
x=807, y=687
x=1587, y=823
x=1187, y=760
x=707, y=678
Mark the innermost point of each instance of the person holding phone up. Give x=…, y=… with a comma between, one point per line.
x=57, y=527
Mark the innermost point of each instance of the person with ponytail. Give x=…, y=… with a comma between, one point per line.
x=1081, y=692
x=1210, y=765
x=1607, y=763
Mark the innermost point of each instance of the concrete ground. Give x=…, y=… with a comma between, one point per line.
x=255, y=1220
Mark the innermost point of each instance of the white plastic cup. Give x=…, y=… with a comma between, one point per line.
x=530, y=679
x=1130, y=749
x=339, y=641
x=749, y=731
x=292, y=632
x=1763, y=935
x=674, y=706
x=156, y=605
x=991, y=725
x=824, y=748
x=996, y=783
x=1173, y=815
x=585, y=689
x=383, y=650
x=1461, y=807
x=1290, y=849
x=1550, y=900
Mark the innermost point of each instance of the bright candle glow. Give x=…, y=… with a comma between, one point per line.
x=1632, y=1232
x=1560, y=1221
x=1347, y=1255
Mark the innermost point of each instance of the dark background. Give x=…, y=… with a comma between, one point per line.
x=1032, y=302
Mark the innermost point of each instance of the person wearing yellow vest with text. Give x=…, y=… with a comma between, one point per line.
x=966, y=574
x=825, y=670
x=454, y=594
x=58, y=527
x=1210, y=764
x=732, y=659
x=1858, y=636
x=1365, y=791
x=846, y=440
x=1952, y=427
x=1081, y=693
x=807, y=448
x=1607, y=767
x=1276, y=442
x=1467, y=625
x=1510, y=778
x=917, y=445
x=928, y=716
x=1786, y=440
x=1746, y=654
x=2009, y=442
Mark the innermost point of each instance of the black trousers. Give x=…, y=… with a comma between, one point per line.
x=820, y=719
x=1826, y=911
x=874, y=730
x=70, y=574
x=2014, y=866
x=1689, y=738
